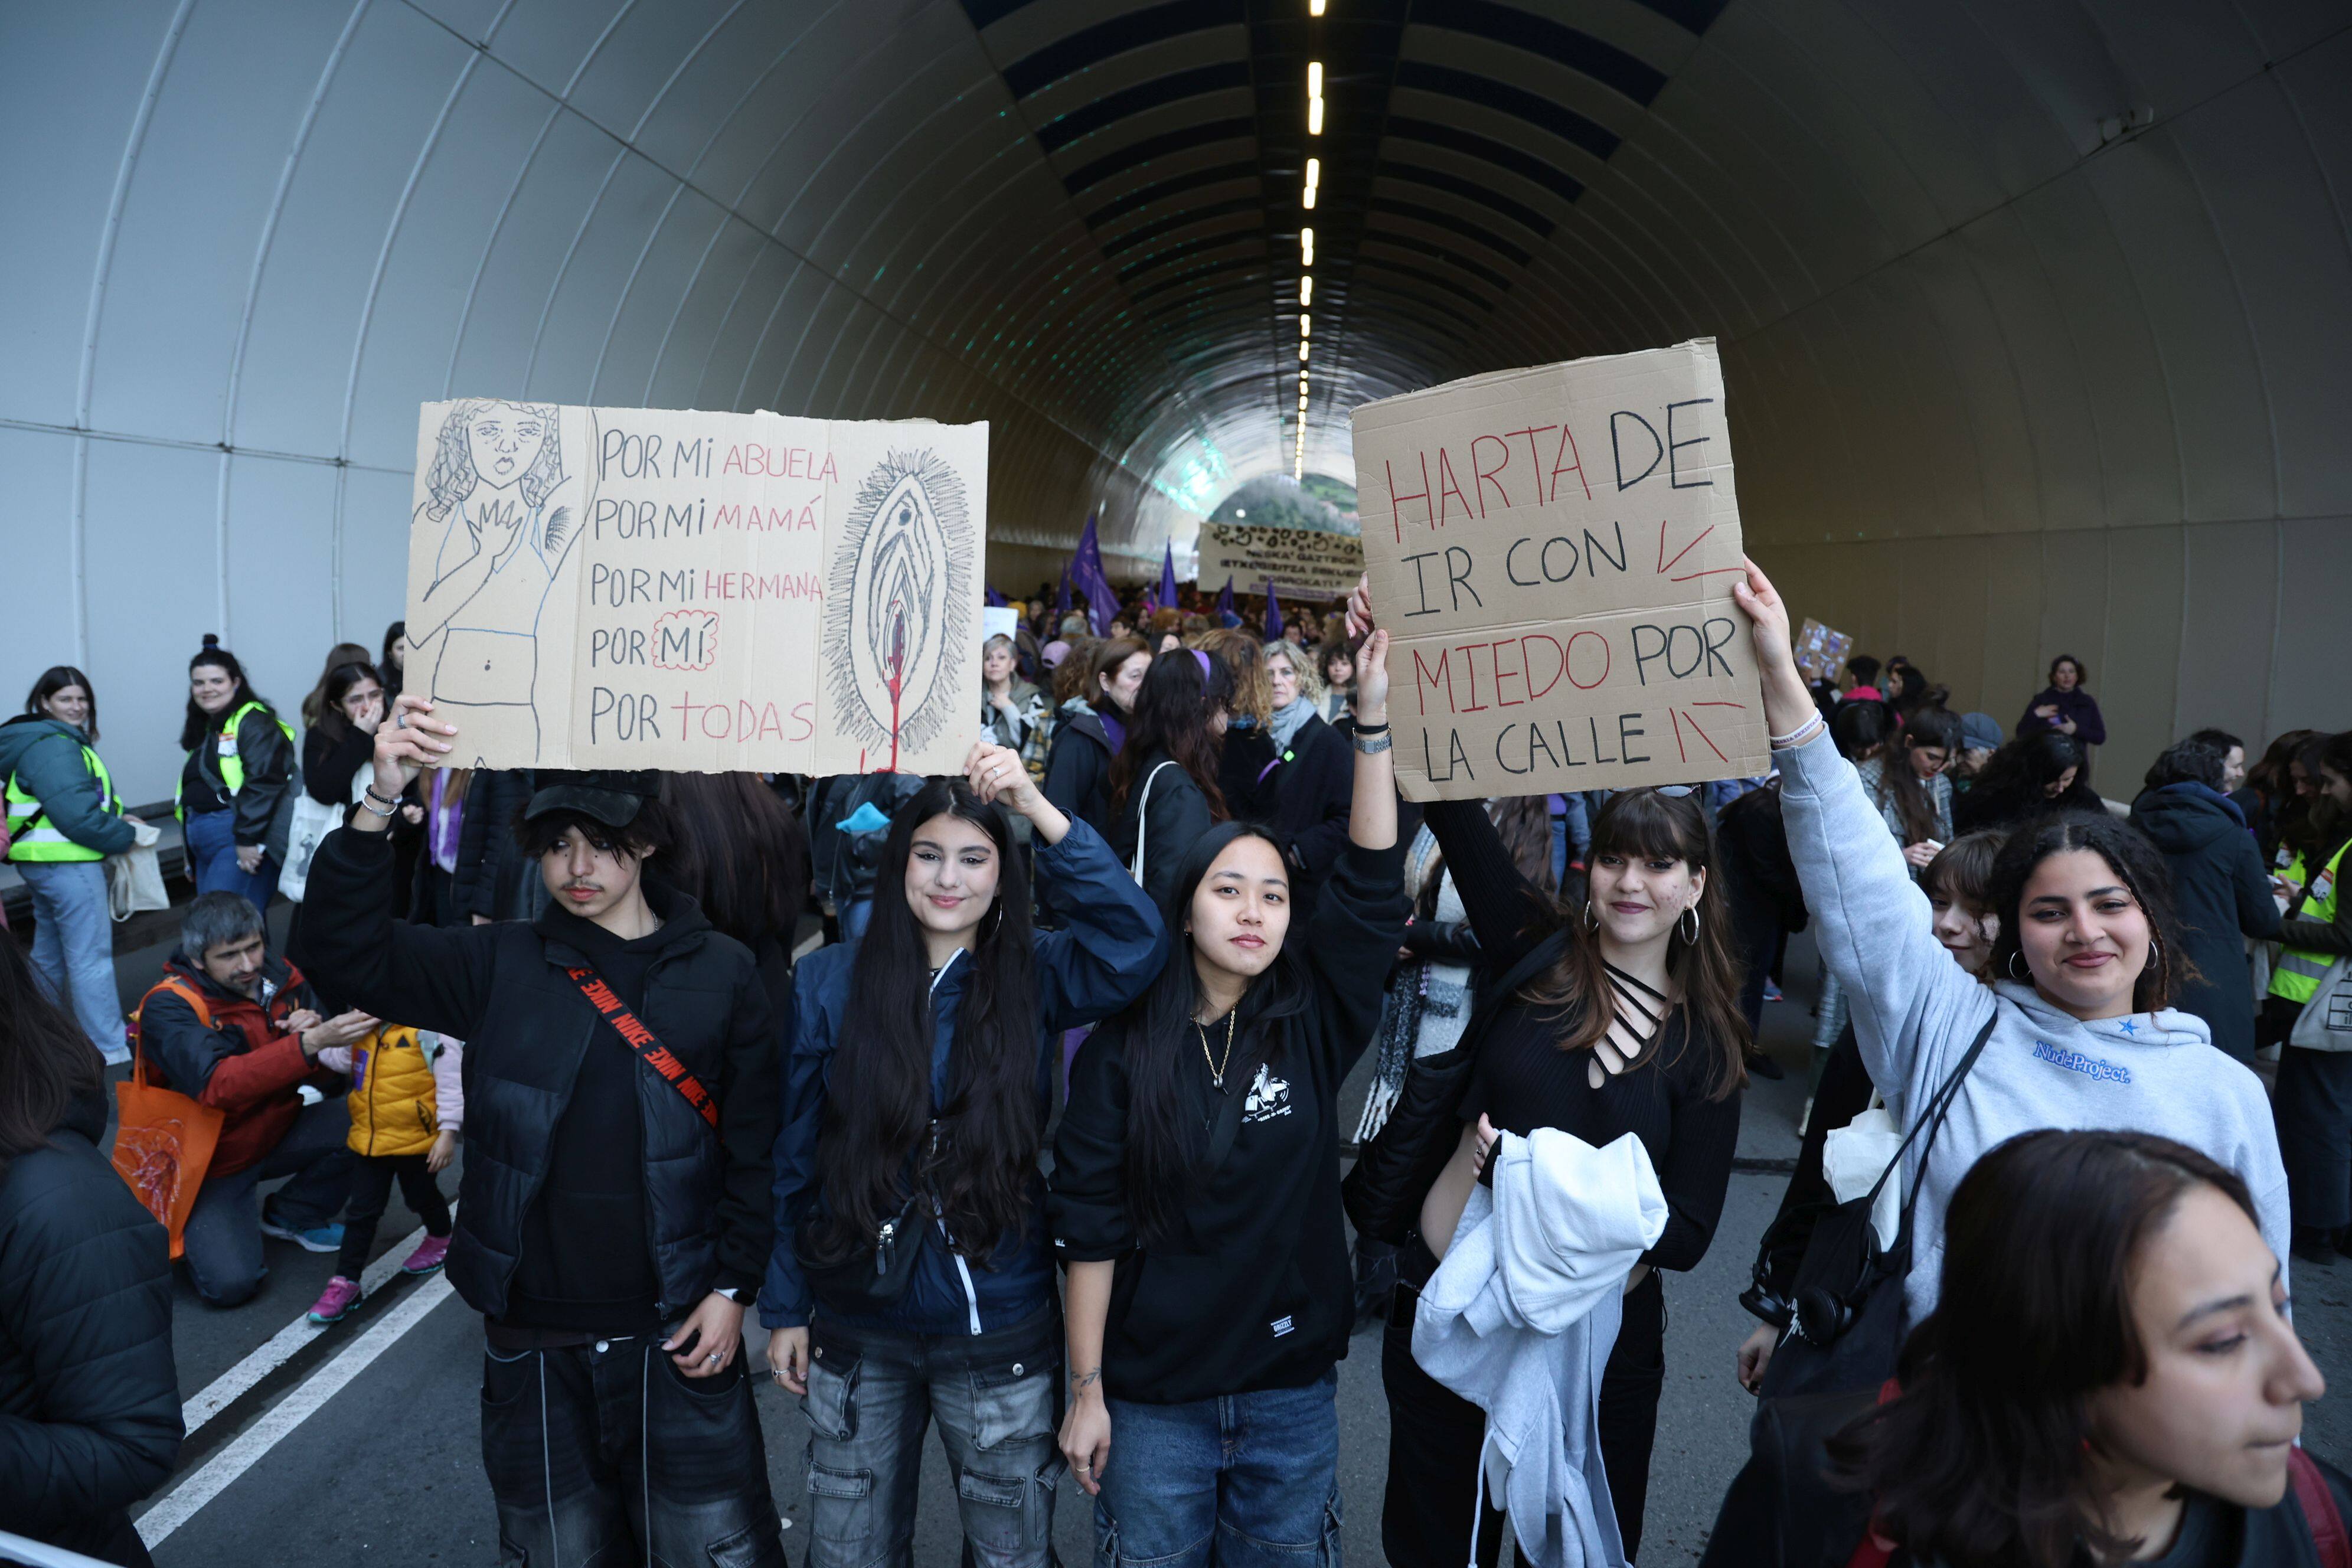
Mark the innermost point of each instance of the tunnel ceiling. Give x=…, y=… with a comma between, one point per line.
x=1976, y=264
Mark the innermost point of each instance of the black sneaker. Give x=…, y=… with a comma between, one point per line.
x=1764, y=1067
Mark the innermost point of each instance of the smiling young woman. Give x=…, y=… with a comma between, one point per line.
x=2083, y=968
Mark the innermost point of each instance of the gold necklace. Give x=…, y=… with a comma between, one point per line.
x=1217, y=1068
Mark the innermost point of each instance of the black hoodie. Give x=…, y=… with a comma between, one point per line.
x=1258, y=1292
x=2223, y=895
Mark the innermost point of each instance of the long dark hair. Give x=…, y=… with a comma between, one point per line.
x=1165, y=1138
x=338, y=656
x=981, y=1165
x=2014, y=785
x=329, y=720
x=1704, y=977
x=56, y=679
x=46, y=1063
x=1986, y=1456
x=1899, y=782
x=738, y=852
x=197, y=722
x=393, y=675
x=1860, y=727
x=2132, y=855
x=1173, y=712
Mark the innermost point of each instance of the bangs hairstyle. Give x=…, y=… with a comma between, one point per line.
x=983, y=1162
x=1166, y=1140
x=323, y=710
x=2137, y=863
x=56, y=679
x=1310, y=675
x=1703, y=976
x=648, y=832
x=1987, y=1453
x=1961, y=872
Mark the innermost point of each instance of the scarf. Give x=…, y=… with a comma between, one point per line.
x=1288, y=721
x=1108, y=714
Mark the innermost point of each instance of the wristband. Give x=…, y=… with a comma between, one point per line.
x=1796, y=737
x=389, y=800
x=1380, y=729
x=368, y=804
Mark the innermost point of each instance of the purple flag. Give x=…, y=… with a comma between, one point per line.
x=992, y=598
x=1272, y=614
x=1167, y=594
x=1226, y=598
x=1062, y=601
x=1086, y=574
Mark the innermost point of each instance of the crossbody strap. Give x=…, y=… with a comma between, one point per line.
x=641, y=1040
x=1939, y=1105
x=1142, y=821
x=2319, y=1513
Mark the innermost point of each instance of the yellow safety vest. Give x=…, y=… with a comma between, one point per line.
x=2299, y=971
x=232, y=765
x=392, y=1102
x=42, y=841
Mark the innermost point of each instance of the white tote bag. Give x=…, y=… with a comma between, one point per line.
x=1142, y=818
x=134, y=879
x=311, y=823
x=2325, y=1022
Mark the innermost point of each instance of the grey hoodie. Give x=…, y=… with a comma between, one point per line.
x=1915, y=1013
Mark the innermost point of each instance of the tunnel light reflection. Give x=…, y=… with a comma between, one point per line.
x=1306, y=325
x=1306, y=291
x=1314, y=116
x=1306, y=247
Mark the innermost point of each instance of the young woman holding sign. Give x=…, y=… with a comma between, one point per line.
x=1196, y=1193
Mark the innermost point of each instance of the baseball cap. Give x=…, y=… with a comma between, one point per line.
x=610, y=796
x=1980, y=732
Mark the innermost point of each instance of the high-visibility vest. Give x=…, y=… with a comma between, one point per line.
x=232, y=765
x=2298, y=971
x=32, y=837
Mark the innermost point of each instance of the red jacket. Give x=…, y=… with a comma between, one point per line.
x=233, y=1053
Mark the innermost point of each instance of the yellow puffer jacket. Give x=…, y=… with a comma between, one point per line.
x=392, y=1094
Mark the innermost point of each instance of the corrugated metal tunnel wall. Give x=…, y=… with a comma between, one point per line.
x=2037, y=315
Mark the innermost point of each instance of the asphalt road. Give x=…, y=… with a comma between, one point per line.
x=363, y=1448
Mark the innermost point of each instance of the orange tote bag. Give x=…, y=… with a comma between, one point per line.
x=163, y=1141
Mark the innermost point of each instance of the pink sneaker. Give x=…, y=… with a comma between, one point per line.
x=427, y=1256
x=336, y=1301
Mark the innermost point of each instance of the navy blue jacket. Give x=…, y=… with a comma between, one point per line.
x=1102, y=960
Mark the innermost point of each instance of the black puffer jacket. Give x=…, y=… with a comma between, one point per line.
x=502, y=989
x=90, y=1403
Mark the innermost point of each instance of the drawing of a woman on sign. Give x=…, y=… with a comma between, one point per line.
x=895, y=608
x=511, y=515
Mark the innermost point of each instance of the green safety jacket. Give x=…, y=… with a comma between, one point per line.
x=60, y=800
x=228, y=755
x=2299, y=971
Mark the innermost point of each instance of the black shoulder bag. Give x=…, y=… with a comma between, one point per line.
x=1394, y=1171
x=869, y=1282
x=1846, y=1326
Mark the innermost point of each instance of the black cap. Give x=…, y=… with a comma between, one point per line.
x=609, y=796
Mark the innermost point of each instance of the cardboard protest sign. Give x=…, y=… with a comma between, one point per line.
x=1821, y=651
x=1305, y=563
x=1552, y=552
x=654, y=588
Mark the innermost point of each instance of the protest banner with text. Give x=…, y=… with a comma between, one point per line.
x=657, y=588
x=1307, y=564
x=1552, y=552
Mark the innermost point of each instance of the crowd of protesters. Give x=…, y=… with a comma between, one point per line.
x=1170, y=901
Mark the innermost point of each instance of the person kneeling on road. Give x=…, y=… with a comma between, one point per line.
x=614, y=1205
x=231, y=1024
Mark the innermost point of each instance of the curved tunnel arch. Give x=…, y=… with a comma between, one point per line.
x=2034, y=318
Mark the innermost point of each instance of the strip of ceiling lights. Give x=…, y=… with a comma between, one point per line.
x=1307, y=252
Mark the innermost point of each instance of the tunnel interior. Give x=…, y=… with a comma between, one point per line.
x=2034, y=317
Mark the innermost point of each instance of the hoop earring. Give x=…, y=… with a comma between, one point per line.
x=1592, y=921
x=1690, y=936
x=2155, y=955
x=2021, y=979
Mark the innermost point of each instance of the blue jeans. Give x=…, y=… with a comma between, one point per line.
x=1245, y=1480
x=73, y=945
x=211, y=838
x=224, y=1231
x=872, y=1393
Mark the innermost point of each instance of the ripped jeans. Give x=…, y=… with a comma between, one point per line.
x=997, y=1399
x=1245, y=1481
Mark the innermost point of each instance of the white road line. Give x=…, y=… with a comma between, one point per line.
x=158, y=1522
x=282, y=1346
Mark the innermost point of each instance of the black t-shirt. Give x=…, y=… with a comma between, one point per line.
x=587, y=1255
x=1523, y=1080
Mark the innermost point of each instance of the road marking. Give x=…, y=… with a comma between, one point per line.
x=285, y=1344
x=158, y=1522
